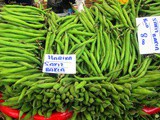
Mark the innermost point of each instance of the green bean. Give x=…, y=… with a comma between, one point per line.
x=88, y=23
x=110, y=9
x=7, y=103
x=81, y=33
x=64, y=18
x=22, y=94
x=9, y=64
x=76, y=20
x=26, y=7
x=14, y=36
x=67, y=22
x=95, y=64
x=20, y=14
x=117, y=52
x=66, y=43
x=96, y=12
x=74, y=38
x=151, y=12
x=105, y=23
x=90, y=78
x=13, y=70
x=52, y=26
x=120, y=15
x=46, y=50
x=87, y=115
x=143, y=91
x=98, y=47
x=154, y=4
x=52, y=40
x=84, y=24
x=89, y=14
x=60, y=45
x=108, y=49
x=127, y=17
x=133, y=9
x=112, y=60
x=15, y=20
x=37, y=39
x=27, y=19
x=109, y=23
x=80, y=85
x=46, y=85
x=12, y=54
x=90, y=64
x=103, y=11
x=22, y=33
x=80, y=51
x=80, y=45
x=26, y=78
x=132, y=60
x=7, y=43
x=151, y=84
x=101, y=18
x=138, y=8
x=144, y=65
x=14, y=59
x=127, y=52
x=8, y=26
x=54, y=17
x=69, y=26
x=118, y=26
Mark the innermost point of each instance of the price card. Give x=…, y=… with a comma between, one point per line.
x=80, y=4
x=148, y=34
x=59, y=64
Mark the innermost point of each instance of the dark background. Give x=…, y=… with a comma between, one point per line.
x=59, y=5
x=28, y=2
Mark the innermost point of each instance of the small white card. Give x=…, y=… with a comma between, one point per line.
x=59, y=64
x=148, y=34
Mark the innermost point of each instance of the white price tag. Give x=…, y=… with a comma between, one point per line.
x=59, y=64
x=80, y=4
x=148, y=34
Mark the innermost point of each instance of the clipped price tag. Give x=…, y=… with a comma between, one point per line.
x=148, y=34
x=59, y=64
x=80, y=4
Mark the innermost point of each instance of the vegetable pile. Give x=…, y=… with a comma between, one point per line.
x=113, y=81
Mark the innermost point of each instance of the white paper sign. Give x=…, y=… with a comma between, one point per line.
x=80, y=4
x=59, y=64
x=148, y=34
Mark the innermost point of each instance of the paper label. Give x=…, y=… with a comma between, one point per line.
x=80, y=4
x=148, y=34
x=59, y=64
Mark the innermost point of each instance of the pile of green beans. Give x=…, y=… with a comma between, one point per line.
x=113, y=81
x=89, y=100
x=22, y=36
x=150, y=8
x=21, y=33
x=106, y=47
x=111, y=53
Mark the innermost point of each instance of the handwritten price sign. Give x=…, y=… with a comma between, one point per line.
x=59, y=64
x=149, y=34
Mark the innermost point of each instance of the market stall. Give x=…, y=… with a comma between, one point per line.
x=99, y=63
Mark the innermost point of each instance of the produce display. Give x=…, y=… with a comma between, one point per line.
x=113, y=81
